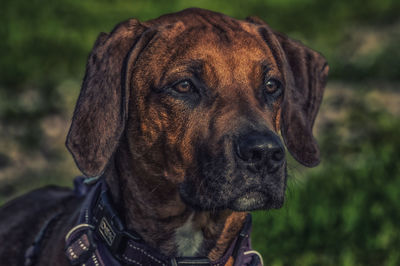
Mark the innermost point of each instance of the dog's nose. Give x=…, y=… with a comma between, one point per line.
x=259, y=149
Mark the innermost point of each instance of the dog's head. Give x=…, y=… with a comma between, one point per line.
x=201, y=98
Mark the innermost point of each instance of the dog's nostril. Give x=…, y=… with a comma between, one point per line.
x=250, y=151
x=278, y=155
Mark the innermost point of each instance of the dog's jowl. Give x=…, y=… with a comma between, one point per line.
x=180, y=130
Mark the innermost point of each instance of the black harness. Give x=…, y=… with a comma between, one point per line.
x=32, y=253
x=99, y=238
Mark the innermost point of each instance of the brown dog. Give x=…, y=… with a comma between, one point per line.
x=180, y=116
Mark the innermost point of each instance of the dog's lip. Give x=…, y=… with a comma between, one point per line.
x=251, y=195
x=251, y=200
x=255, y=198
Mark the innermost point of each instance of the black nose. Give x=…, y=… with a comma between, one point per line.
x=258, y=150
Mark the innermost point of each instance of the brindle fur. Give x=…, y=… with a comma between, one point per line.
x=167, y=156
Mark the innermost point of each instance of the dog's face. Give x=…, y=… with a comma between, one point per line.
x=212, y=109
x=203, y=98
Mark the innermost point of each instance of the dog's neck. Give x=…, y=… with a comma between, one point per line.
x=153, y=208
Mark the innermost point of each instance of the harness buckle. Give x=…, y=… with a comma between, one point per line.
x=107, y=232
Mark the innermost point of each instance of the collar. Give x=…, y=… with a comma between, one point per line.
x=99, y=238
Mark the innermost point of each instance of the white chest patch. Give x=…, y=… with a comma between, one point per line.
x=188, y=239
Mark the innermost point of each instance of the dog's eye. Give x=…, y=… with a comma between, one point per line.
x=273, y=86
x=184, y=87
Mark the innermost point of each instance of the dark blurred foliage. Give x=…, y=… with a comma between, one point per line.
x=344, y=212
x=347, y=211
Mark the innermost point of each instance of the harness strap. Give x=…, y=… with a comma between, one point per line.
x=33, y=251
x=100, y=239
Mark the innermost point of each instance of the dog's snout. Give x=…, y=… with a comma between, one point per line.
x=257, y=149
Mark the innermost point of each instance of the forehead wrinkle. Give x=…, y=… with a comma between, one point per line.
x=215, y=64
x=185, y=66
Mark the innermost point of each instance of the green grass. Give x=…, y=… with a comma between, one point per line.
x=346, y=211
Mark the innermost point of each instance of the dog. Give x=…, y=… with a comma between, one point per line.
x=181, y=119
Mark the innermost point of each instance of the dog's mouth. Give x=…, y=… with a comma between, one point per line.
x=235, y=192
x=225, y=181
x=255, y=200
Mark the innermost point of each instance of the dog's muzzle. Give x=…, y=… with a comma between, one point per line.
x=249, y=173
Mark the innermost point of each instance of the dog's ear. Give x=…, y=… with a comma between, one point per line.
x=306, y=74
x=101, y=109
x=302, y=99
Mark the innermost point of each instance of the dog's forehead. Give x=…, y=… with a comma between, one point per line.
x=230, y=53
x=233, y=57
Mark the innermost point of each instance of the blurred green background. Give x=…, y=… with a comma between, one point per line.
x=344, y=212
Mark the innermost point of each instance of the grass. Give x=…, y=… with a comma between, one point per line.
x=346, y=211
